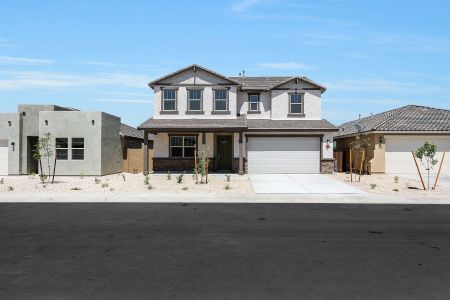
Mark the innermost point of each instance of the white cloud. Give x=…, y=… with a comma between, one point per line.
x=118, y=100
x=285, y=66
x=48, y=80
x=244, y=5
x=12, y=60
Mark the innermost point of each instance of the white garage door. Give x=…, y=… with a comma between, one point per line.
x=283, y=155
x=398, y=153
x=3, y=158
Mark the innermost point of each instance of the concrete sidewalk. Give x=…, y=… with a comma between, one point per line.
x=157, y=197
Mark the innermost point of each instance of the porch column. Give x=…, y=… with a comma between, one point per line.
x=145, y=152
x=241, y=154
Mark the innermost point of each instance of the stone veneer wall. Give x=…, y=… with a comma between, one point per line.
x=327, y=166
x=187, y=164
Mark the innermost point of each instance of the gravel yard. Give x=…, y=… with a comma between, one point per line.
x=126, y=182
x=386, y=184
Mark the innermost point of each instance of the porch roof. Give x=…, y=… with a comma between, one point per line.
x=239, y=124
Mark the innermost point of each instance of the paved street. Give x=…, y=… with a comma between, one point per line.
x=224, y=251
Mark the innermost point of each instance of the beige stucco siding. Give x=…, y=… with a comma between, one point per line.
x=312, y=104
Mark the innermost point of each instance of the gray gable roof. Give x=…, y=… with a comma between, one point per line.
x=129, y=131
x=266, y=83
x=406, y=118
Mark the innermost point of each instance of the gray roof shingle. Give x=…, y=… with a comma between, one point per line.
x=406, y=118
x=266, y=83
x=241, y=123
x=129, y=131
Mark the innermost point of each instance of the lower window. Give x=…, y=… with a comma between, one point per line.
x=182, y=146
x=77, y=148
x=62, y=148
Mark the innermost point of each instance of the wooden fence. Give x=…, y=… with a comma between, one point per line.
x=134, y=161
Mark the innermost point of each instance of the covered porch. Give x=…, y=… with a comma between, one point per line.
x=176, y=142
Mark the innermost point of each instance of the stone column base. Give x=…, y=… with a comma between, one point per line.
x=327, y=166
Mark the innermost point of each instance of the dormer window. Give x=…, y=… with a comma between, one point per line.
x=169, y=101
x=296, y=104
x=253, y=102
x=195, y=97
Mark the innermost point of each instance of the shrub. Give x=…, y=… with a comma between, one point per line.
x=123, y=177
x=150, y=187
x=2, y=181
x=180, y=178
x=396, y=178
x=169, y=177
x=10, y=189
x=228, y=177
x=185, y=188
x=43, y=177
x=111, y=189
x=227, y=187
x=96, y=180
x=76, y=189
x=373, y=186
x=146, y=179
x=105, y=184
x=395, y=190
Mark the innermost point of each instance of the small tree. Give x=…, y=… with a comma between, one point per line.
x=44, y=151
x=361, y=142
x=202, y=166
x=426, y=155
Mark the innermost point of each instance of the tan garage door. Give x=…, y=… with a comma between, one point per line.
x=283, y=155
x=398, y=153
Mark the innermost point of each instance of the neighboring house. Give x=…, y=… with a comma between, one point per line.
x=87, y=143
x=394, y=134
x=247, y=124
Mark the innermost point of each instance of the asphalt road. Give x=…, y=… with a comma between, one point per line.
x=224, y=251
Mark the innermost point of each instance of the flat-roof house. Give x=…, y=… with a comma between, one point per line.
x=395, y=133
x=246, y=124
x=88, y=143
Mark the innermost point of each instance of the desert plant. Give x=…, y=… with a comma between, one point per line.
x=149, y=187
x=395, y=190
x=180, y=178
x=43, y=177
x=201, y=167
x=227, y=187
x=396, y=178
x=185, y=188
x=32, y=175
x=426, y=155
x=124, y=177
x=75, y=189
x=105, y=184
x=228, y=176
x=2, y=180
x=146, y=179
x=169, y=177
x=111, y=189
x=373, y=186
x=10, y=189
x=43, y=150
x=96, y=180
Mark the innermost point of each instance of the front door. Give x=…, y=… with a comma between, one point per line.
x=224, y=153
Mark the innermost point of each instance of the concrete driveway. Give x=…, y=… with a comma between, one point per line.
x=299, y=184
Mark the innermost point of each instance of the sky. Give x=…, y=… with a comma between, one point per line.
x=99, y=55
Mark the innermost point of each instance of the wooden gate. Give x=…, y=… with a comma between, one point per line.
x=134, y=161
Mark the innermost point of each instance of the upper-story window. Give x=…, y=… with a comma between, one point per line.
x=220, y=100
x=169, y=102
x=195, y=100
x=253, y=102
x=295, y=103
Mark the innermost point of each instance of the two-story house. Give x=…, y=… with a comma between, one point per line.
x=246, y=124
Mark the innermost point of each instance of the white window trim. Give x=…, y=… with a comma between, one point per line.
x=163, y=99
x=200, y=99
x=302, y=104
x=72, y=148
x=226, y=100
x=257, y=102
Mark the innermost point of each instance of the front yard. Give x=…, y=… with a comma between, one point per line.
x=126, y=182
x=389, y=184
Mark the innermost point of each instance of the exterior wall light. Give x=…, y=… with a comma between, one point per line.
x=13, y=146
x=9, y=123
x=327, y=145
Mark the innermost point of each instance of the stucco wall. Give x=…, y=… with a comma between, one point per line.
x=75, y=124
x=111, y=148
x=265, y=105
x=312, y=103
x=12, y=135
